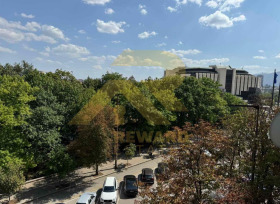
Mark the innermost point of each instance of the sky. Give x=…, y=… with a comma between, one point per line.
x=86, y=36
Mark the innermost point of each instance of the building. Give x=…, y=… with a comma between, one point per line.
x=235, y=81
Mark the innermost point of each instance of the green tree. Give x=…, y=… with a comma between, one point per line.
x=60, y=161
x=15, y=94
x=202, y=99
x=11, y=177
x=129, y=151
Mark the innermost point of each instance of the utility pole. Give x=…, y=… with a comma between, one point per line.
x=274, y=81
x=117, y=136
x=278, y=96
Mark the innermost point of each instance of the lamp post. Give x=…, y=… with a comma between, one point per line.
x=117, y=136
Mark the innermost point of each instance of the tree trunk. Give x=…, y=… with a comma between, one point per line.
x=96, y=169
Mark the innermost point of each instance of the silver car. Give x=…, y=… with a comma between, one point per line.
x=87, y=198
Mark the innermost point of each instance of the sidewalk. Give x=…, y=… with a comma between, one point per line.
x=41, y=187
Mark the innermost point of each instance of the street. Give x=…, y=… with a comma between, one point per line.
x=71, y=196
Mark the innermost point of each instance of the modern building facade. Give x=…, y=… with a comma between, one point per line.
x=235, y=81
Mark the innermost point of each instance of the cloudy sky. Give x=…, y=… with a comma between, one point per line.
x=86, y=36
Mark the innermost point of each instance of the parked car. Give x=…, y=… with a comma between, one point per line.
x=87, y=198
x=130, y=185
x=147, y=176
x=162, y=168
x=110, y=191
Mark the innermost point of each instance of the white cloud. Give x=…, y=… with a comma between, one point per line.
x=109, y=11
x=32, y=26
x=179, y=3
x=171, y=9
x=13, y=32
x=11, y=36
x=11, y=24
x=116, y=41
x=256, y=69
x=70, y=50
x=180, y=43
x=142, y=9
x=227, y=5
x=277, y=56
x=27, y=16
x=110, y=27
x=146, y=34
x=6, y=50
x=239, y=18
x=97, y=66
x=183, y=2
x=261, y=51
x=82, y=31
x=161, y=44
x=224, y=5
x=259, y=57
x=98, y=60
x=205, y=62
x=29, y=48
x=41, y=38
x=198, y=2
x=46, y=54
x=96, y=2
x=212, y=4
x=48, y=61
x=220, y=20
x=182, y=53
x=53, y=32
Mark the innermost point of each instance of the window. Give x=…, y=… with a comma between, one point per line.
x=109, y=189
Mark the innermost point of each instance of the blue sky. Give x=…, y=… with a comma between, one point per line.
x=85, y=36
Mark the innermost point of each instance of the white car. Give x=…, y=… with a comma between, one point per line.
x=110, y=191
x=87, y=198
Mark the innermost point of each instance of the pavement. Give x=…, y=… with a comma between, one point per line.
x=52, y=190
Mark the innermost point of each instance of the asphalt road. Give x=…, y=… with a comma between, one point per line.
x=96, y=186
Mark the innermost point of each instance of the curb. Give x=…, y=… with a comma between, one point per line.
x=104, y=175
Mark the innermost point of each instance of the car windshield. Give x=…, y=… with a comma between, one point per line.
x=109, y=189
x=148, y=176
x=131, y=183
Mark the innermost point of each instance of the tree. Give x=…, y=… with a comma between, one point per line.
x=60, y=161
x=15, y=94
x=93, y=145
x=253, y=157
x=11, y=177
x=202, y=99
x=194, y=173
x=130, y=151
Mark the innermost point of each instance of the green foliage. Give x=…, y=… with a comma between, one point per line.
x=15, y=94
x=130, y=150
x=60, y=162
x=202, y=99
x=11, y=177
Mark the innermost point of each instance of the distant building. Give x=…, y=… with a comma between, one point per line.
x=235, y=81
